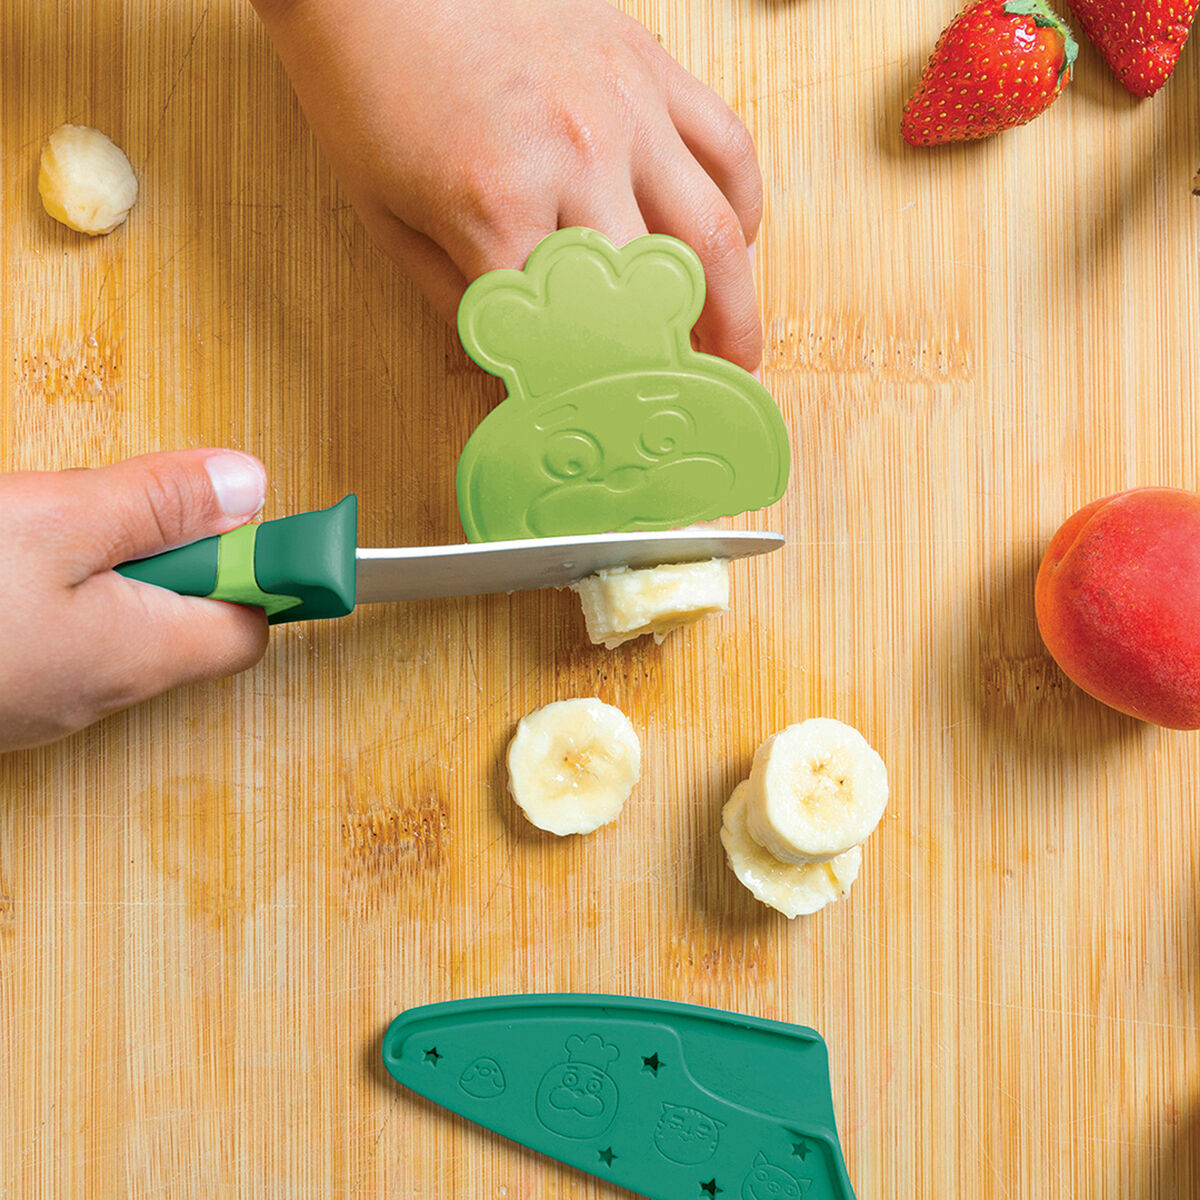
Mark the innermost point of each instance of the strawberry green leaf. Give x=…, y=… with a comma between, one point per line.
x=1045, y=17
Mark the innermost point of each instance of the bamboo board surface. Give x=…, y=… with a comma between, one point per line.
x=212, y=905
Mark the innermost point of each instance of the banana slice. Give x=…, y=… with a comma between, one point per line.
x=793, y=890
x=85, y=180
x=622, y=604
x=572, y=765
x=815, y=790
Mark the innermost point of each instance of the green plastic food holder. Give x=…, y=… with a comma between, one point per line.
x=613, y=423
x=673, y=1101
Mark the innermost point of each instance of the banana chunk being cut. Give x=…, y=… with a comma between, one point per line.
x=573, y=764
x=815, y=790
x=794, y=890
x=85, y=180
x=624, y=603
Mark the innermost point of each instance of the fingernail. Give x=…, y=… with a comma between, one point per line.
x=238, y=482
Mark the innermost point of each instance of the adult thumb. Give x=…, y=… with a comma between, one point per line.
x=155, y=502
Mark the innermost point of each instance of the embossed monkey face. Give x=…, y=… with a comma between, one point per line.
x=769, y=1182
x=595, y=459
x=686, y=1135
x=483, y=1079
x=577, y=1100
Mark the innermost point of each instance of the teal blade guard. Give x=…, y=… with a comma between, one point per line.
x=672, y=1101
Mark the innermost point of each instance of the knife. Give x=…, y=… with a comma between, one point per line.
x=310, y=566
x=674, y=1101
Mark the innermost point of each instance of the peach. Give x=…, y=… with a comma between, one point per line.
x=1118, y=603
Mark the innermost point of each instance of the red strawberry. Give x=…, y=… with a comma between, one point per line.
x=1139, y=39
x=999, y=63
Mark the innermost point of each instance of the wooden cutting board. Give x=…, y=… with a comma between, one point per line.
x=211, y=906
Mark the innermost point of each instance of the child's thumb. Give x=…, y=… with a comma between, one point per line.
x=156, y=502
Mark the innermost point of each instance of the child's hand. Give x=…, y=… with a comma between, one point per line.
x=78, y=641
x=465, y=131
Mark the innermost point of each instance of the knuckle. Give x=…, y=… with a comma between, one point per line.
x=582, y=142
x=738, y=145
x=464, y=198
x=720, y=241
x=741, y=156
x=167, y=498
x=638, y=39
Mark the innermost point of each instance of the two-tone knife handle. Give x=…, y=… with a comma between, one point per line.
x=299, y=568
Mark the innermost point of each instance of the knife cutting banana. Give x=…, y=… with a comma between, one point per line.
x=310, y=566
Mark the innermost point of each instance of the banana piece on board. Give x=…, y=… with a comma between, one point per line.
x=85, y=180
x=623, y=603
x=815, y=790
x=793, y=889
x=572, y=765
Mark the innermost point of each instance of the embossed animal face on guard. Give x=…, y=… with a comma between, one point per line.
x=577, y=1098
x=483, y=1079
x=769, y=1182
x=613, y=422
x=686, y=1135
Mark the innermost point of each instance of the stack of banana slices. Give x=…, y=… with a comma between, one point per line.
x=793, y=831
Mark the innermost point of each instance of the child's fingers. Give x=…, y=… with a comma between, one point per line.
x=113, y=642
x=612, y=211
x=153, y=503
x=150, y=640
x=496, y=231
x=442, y=262
x=423, y=261
x=608, y=206
x=498, y=251
x=678, y=197
x=720, y=142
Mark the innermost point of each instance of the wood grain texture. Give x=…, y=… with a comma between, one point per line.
x=211, y=906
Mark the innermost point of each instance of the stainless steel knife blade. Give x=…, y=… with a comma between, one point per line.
x=481, y=568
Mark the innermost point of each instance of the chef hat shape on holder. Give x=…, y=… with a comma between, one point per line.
x=612, y=422
x=581, y=309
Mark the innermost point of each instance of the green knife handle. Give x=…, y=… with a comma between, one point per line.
x=299, y=568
